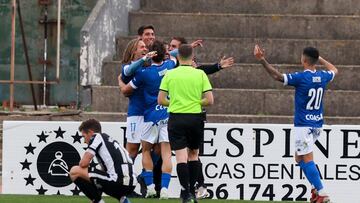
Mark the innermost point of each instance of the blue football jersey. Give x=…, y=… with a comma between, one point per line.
x=136, y=99
x=310, y=88
x=149, y=79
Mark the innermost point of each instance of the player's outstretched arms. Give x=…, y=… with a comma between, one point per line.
x=197, y=43
x=328, y=65
x=208, y=69
x=208, y=99
x=214, y=68
x=260, y=56
x=226, y=62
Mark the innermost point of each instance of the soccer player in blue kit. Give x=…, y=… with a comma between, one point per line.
x=134, y=57
x=155, y=117
x=310, y=88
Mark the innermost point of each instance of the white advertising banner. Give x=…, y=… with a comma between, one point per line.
x=240, y=161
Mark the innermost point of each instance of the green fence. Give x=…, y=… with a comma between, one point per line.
x=74, y=14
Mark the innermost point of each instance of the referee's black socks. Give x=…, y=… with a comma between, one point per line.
x=89, y=189
x=200, y=179
x=194, y=168
x=183, y=174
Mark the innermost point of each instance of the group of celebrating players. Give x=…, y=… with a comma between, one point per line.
x=145, y=63
x=147, y=120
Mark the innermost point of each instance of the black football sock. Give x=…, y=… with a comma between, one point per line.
x=200, y=179
x=194, y=167
x=183, y=174
x=89, y=189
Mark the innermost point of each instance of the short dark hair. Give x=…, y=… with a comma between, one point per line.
x=143, y=28
x=185, y=51
x=90, y=124
x=312, y=54
x=160, y=49
x=182, y=40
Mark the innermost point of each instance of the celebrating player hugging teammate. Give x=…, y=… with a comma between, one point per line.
x=135, y=55
x=155, y=117
x=310, y=88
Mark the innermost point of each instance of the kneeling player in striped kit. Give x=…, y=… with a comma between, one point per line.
x=116, y=179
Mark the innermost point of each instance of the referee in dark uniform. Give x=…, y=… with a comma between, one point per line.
x=116, y=178
x=188, y=89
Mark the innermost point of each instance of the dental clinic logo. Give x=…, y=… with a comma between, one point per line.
x=55, y=153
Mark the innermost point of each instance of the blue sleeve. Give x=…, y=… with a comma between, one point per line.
x=174, y=52
x=138, y=80
x=170, y=64
x=328, y=75
x=292, y=79
x=133, y=67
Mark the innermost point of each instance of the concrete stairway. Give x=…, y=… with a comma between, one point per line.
x=1, y=143
x=245, y=93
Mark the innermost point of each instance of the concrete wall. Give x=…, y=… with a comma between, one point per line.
x=108, y=19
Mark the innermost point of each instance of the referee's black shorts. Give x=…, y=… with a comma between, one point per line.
x=104, y=183
x=185, y=130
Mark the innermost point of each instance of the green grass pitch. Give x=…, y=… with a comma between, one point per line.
x=70, y=199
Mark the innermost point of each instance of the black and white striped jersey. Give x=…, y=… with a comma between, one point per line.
x=113, y=158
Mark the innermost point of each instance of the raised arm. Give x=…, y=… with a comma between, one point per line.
x=260, y=56
x=133, y=67
x=328, y=65
x=224, y=63
x=209, y=69
x=197, y=43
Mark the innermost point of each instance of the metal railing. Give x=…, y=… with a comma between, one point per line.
x=12, y=80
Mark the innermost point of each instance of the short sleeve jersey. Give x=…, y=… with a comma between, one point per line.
x=310, y=88
x=113, y=158
x=185, y=86
x=149, y=79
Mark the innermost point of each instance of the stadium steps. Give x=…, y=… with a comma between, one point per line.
x=249, y=25
x=280, y=51
x=243, y=101
x=304, y=7
x=1, y=144
x=250, y=76
x=245, y=93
